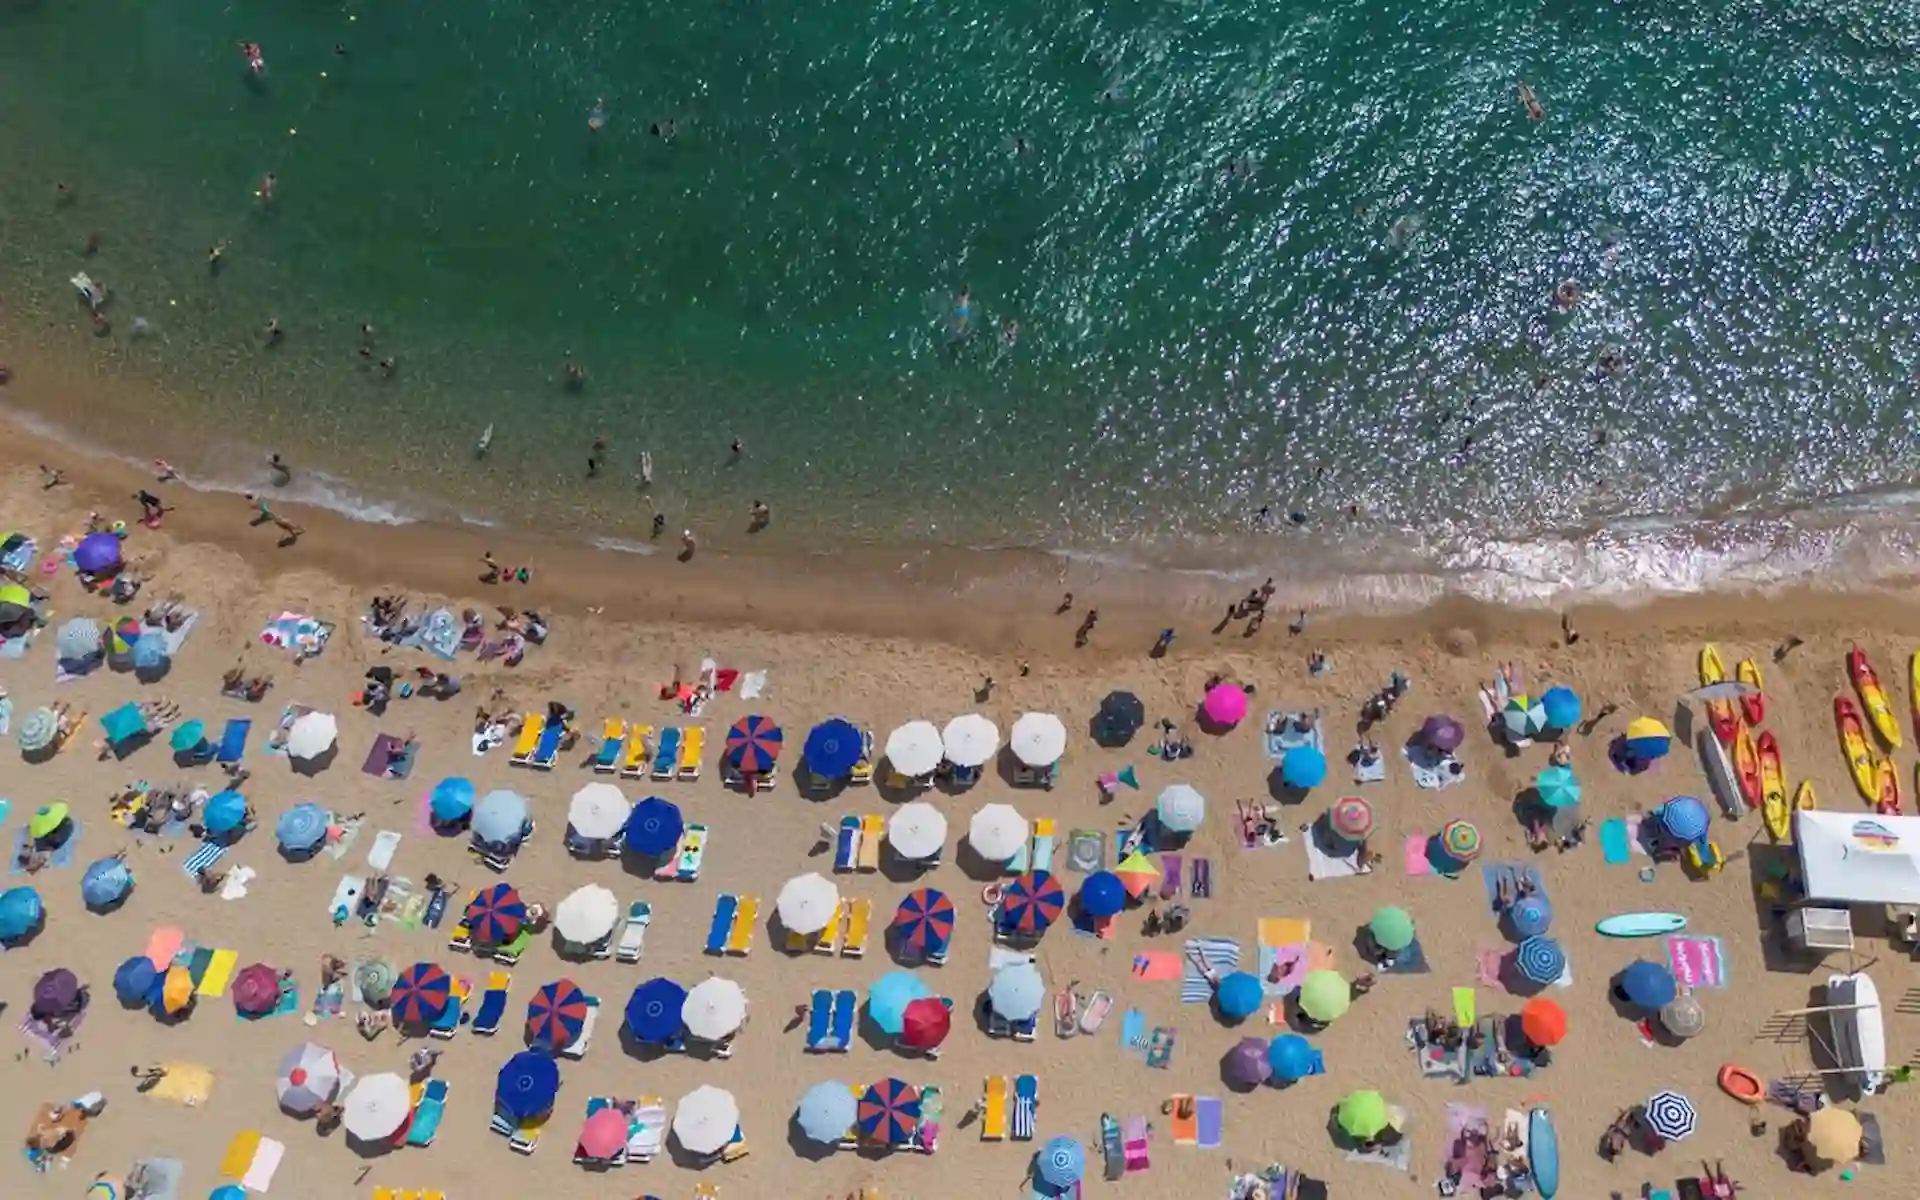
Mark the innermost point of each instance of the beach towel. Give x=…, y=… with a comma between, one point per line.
x=234, y=887
x=1086, y=851
x=1461, y=1118
x=17, y=552
x=233, y=740
x=1222, y=955
x=1321, y=865
x=1493, y=874
x=380, y=854
x=1209, y=1122
x=1201, y=887
x=297, y=632
x=162, y=944
x=1134, y=1131
x=1431, y=771
x=239, y=1155
x=1170, y=875
x=1160, y=1047
x=1436, y=1062
x=1183, y=1122
x=753, y=685
x=1636, y=840
x=1281, y=968
x=1364, y=772
x=1415, y=855
x=340, y=839
x=1157, y=966
x=196, y=958
x=1282, y=931
x=277, y=740
x=1697, y=962
x=330, y=1001
x=59, y=856
x=1133, y=1030
x=438, y=634
x=1280, y=735
x=1257, y=830
x=202, y=859
x=212, y=981
x=346, y=896
x=185, y=1083
x=37, y=1033
x=266, y=1160
x=1615, y=847
x=381, y=763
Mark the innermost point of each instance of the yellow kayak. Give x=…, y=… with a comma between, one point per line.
x=1773, y=789
x=1853, y=746
x=1873, y=697
x=1720, y=713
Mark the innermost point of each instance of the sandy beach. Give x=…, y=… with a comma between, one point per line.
x=879, y=647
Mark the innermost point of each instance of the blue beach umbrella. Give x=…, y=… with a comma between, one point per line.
x=150, y=654
x=1061, y=1163
x=753, y=744
x=133, y=980
x=1303, y=767
x=190, y=736
x=832, y=748
x=653, y=1011
x=1530, y=915
x=106, y=882
x=1684, y=818
x=20, y=912
x=827, y=1112
x=527, y=1085
x=302, y=828
x=1292, y=1058
x=228, y=1191
x=97, y=552
x=1646, y=985
x=1563, y=708
x=225, y=813
x=1540, y=960
x=452, y=800
x=1102, y=895
x=889, y=1112
x=1239, y=996
x=1557, y=787
x=889, y=996
x=556, y=1015
x=495, y=914
x=123, y=723
x=654, y=827
x=421, y=994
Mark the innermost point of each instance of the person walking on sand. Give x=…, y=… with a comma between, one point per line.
x=493, y=568
x=760, y=516
x=1082, y=634
x=151, y=510
x=265, y=514
x=51, y=477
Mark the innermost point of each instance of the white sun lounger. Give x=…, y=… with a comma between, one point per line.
x=633, y=937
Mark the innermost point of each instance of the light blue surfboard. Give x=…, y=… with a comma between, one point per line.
x=1643, y=924
x=1543, y=1153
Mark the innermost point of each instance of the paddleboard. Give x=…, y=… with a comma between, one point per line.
x=1719, y=769
x=1640, y=924
x=1543, y=1152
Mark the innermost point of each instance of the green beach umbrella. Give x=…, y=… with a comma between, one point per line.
x=1392, y=929
x=188, y=736
x=44, y=821
x=1363, y=1115
x=1324, y=995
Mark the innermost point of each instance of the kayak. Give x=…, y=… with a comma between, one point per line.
x=1720, y=713
x=1853, y=745
x=1746, y=766
x=1774, y=808
x=1873, y=697
x=1803, y=797
x=1888, y=803
x=1543, y=1152
x=1753, y=706
x=1913, y=691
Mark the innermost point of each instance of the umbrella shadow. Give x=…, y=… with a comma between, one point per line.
x=1284, y=792
x=804, y=1147
x=976, y=868
x=311, y=767
x=646, y=1052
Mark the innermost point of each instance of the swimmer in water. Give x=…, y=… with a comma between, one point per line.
x=267, y=183
x=962, y=312
x=1567, y=294
x=1532, y=104
x=597, y=116
x=665, y=130
x=256, y=62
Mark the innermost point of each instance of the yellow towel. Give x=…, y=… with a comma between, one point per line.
x=186, y=1083
x=219, y=971
x=1466, y=1007
x=1284, y=931
x=239, y=1156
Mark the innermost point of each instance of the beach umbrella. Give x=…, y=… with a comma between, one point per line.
x=133, y=979
x=56, y=993
x=526, y=1085
x=706, y=1120
x=1669, y=1116
x=1137, y=873
x=123, y=635
x=917, y=831
x=255, y=990
x=1102, y=894
x=925, y=921
x=1543, y=1022
x=1461, y=840
x=715, y=1008
x=1247, y=1065
x=106, y=882
x=889, y=1111
x=1523, y=718
x=1557, y=787
x=188, y=737
x=1239, y=995
x=833, y=747
x=1303, y=767
x=77, y=640
x=123, y=723
x=20, y=912
x=312, y=735
x=1038, y=739
x=598, y=811
x=997, y=832
x=1061, y=1163
x=1391, y=929
x=1647, y=985
x=421, y=994
x=1120, y=717
x=16, y=604
x=1540, y=960
x=1031, y=903
x=38, y=730
x=1647, y=738
x=176, y=991
x=1833, y=1135
x=224, y=813
x=374, y=978
x=47, y=820
x=97, y=552
x=586, y=915
x=915, y=748
x=452, y=800
x=970, y=740
x=302, y=827
x=753, y=744
x=1292, y=1057
x=1351, y=818
x=1683, y=1016
x=308, y=1077
x=377, y=1107
x=1442, y=733
x=653, y=1011
x=888, y=997
x=1530, y=915
x=1180, y=809
x=556, y=1015
x=1685, y=819
x=807, y=903
x=1324, y=995
x=925, y=1023
x=1363, y=1115
x=604, y=1135
x=654, y=827
x=495, y=914
x=1562, y=707
x=1225, y=705
x=150, y=655
x=827, y=1112
x=500, y=817
x=1017, y=991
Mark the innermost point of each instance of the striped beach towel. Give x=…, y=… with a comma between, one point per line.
x=207, y=855
x=1221, y=955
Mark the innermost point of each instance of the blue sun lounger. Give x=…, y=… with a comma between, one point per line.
x=820, y=1021
x=493, y=1005
x=666, y=754
x=723, y=910
x=846, y=1008
x=548, y=748
x=846, y=850
x=427, y=1114
x=233, y=740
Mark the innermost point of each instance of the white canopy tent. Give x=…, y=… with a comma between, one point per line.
x=1858, y=858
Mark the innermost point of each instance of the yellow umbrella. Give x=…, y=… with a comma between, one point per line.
x=1641, y=727
x=1833, y=1134
x=177, y=992
x=44, y=821
x=1138, y=873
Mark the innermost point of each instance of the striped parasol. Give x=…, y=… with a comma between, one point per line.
x=1351, y=818
x=421, y=994
x=753, y=744
x=494, y=916
x=1031, y=903
x=1461, y=840
x=1684, y=818
x=925, y=921
x=1670, y=1116
x=889, y=1111
x=555, y=1015
x=1540, y=960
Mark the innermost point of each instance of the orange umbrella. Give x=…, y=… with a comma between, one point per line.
x=1138, y=873
x=177, y=992
x=1543, y=1022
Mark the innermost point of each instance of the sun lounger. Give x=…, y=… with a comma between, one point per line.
x=693, y=849
x=862, y=773
x=578, y=1047
x=522, y=1137
x=846, y=1011
x=613, y=744
x=722, y=926
x=493, y=1003
x=846, y=849
x=1044, y=840
x=633, y=935
x=449, y=1022
x=1026, y=1107
x=859, y=920
x=1024, y=1031
x=427, y=1113
x=596, y=1104
x=648, y=1130
x=872, y=832
x=636, y=752
x=993, y=1115
x=1115, y=1158
x=666, y=755
x=820, y=1020
x=509, y=954
x=460, y=937
x=1133, y=1135
x=548, y=748
x=1098, y=1006
x=534, y=725
x=740, y=937
x=693, y=745
x=1022, y=858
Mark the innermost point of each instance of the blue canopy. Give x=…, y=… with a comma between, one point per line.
x=1563, y=708
x=20, y=912
x=225, y=813
x=1303, y=767
x=105, y=882
x=302, y=827
x=133, y=980
x=654, y=827
x=452, y=800
x=1061, y=1162
x=1102, y=894
x=123, y=723
x=527, y=1085
x=500, y=817
x=1540, y=960
x=1292, y=1057
x=653, y=1011
x=150, y=654
x=1239, y=996
x=832, y=748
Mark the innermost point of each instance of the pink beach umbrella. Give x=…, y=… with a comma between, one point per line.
x=256, y=989
x=1225, y=705
x=604, y=1134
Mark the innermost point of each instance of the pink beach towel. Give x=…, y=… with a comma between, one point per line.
x=423, y=816
x=162, y=945
x=1487, y=966
x=1158, y=966
x=1416, y=855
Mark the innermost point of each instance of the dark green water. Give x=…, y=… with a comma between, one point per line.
x=1259, y=254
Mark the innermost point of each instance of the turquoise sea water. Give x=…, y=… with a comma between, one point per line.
x=1259, y=254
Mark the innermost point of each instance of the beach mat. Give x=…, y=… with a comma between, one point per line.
x=1321, y=865
x=1222, y=955
x=1414, y=855
x=162, y=944
x=340, y=845
x=186, y=1083
x=233, y=740
x=1494, y=873
x=1615, y=847
x=213, y=979
x=1697, y=962
x=1282, y=931
x=1157, y=966
x=379, y=756
x=59, y=856
x=380, y=854
x=1133, y=1030
x=1210, y=1122
x=1398, y=1156
x=202, y=859
x=239, y=1154
x=266, y=1161
x=1086, y=851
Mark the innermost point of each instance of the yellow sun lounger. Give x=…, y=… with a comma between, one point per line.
x=530, y=731
x=639, y=755
x=693, y=744
x=993, y=1120
x=859, y=919
x=745, y=917
x=872, y=831
x=827, y=941
x=219, y=972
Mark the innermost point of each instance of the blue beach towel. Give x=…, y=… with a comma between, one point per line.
x=1493, y=874
x=233, y=740
x=1615, y=846
x=439, y=634
x=208, y=854
x=1133, y=1030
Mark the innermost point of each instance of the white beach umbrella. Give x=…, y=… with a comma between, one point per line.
x=308, y=1077
x=1016, y=992
x=312, y=735
x=377, y=1107
x=598, y=811
x=586, y=915
x=915, y=748
x=1039, y=739
x=807, y=903
x=714, y=1008
x=970, y=740
x=1181, y=809
x=997, y=832
x=917, y=830
x=706, y=1119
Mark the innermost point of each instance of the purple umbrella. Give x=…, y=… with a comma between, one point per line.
x=97, y=552
x=1246, y=1064
x=57, y=993
x=1442, y=732
x=255, y=990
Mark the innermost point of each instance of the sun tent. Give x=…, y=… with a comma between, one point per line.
x=1859, y=858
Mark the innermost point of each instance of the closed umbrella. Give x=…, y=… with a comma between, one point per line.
x=808, y=903
x=495, y=914
x=1683, y=1016
x=556, y=1015
x=1833, y=1135
x=1543, y=1022
x=302, y=828
x=1247, y=1065
x=308, y=1077
x=255, y=989
x=377, y=1107
x=1292, y=1058
x=1031, y=903
x=1061, y=1162
x=970, y=740
x=1120, y=717
x=1460, y=840
x=653, y=1011
x=133, y=980
x=375, y=980
x=1225, y=705
x=925, y=1023
x=753, y=745
x=1363, y=1115
x=1540, y=960
x=106, y=883
x=997, y=832
x=586, y=915
x=1303, y=767
x=1648, y=739
x=1530, y=915
x=917, y=831
x=889, y=1112
x=1239, y=996
x=38, y=730
x=1351, y=818
x=1562, y=707
x=1684, y=818
x=20, y=912
x=925, y=921
x=1647, y=985
x=1102, y=894
x=1324, y=996
x=78, y=640
x=888, y=997
x=827, y=1112
x=654, y=827
x=715, y=1008
x=1442, y=733
x=56, y=994
x=1038, y=739
x=224, y=813
x=188, y=737
x=312, y=735
x=527, y=1085
x=915, y=748
x=598, y=811
x=1669, y=1116
x=452, y=800
x=832, y=749
x=97, y=552
x=706, y=1120
x=604, y=1135
x=1523, y=718
x=1391, y=929
x=1557, y=787
x=500, y=817
x=421, y=994
x=1017, y=991
x=1180, y=809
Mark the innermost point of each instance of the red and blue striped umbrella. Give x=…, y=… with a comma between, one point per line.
x=494, y=916
x=925, y=920
x=556, y=1015
x=421, y=994
x=889, y=1111
x=1031, y=903
x=753, y=744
